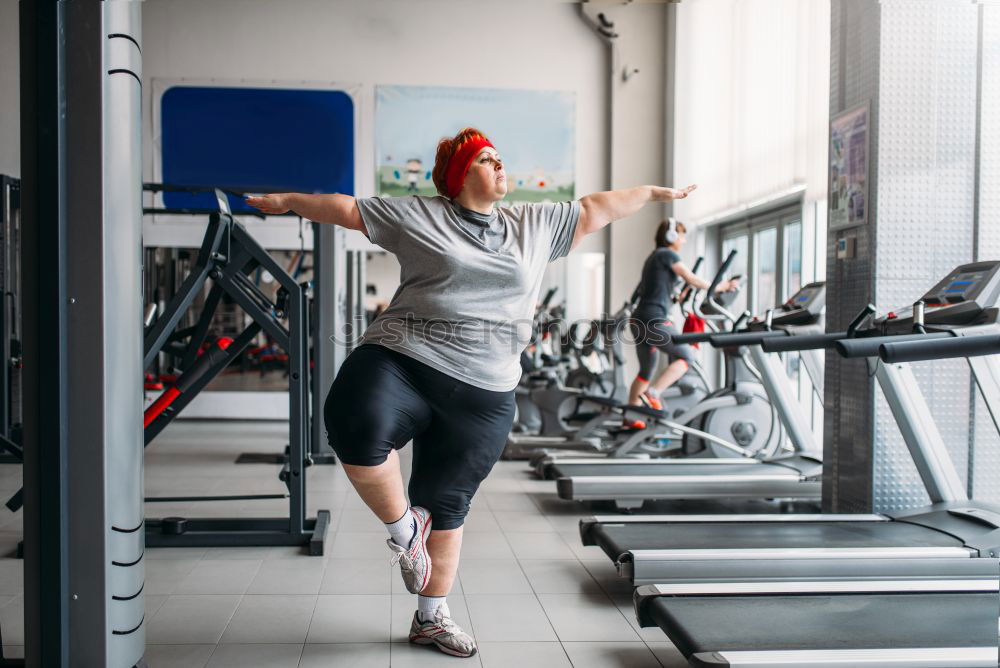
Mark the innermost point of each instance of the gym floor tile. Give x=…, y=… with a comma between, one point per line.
x=270, y=619
x=404, y=605
x=582, y=617
x=255, y=553
x=163, y=575
x=523, y=655
x=506, y=495
x=521, y=522
x=610, y=655
x=559, y=576
x=191, y=619
x=485, y=546
x=359, y=545
x=350, y=618
x=152, y=604
x=178, y=656
x=480, y=521
x=346, y=655
x=222, y=576
x=404, y=655
x=502, y=617
x=362, y=521
x=258, y=656
x=668, y=655
x=606, y=575
x=288, y=576
x=160, y=553
x=539, y=546
x=493, y=576
x=357, y=576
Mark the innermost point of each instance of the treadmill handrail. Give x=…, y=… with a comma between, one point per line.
x=803, y=342
x=868, y=346
x=917, y=350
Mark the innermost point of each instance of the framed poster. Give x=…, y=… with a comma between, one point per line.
x=534, y=132
x=849, y=148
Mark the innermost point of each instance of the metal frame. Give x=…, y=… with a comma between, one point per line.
x=227, y=256
x=10, y=339
x=43, y=249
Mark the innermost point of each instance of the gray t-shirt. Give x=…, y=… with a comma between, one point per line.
x=461, y=307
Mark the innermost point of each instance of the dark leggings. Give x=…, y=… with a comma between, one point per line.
x=381, y=399
x=655, y=334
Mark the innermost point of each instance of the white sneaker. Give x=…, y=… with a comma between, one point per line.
x=443, y=632
x=414, y=562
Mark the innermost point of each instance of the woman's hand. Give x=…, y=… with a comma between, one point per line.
x=663, y=194
x=728, y=286
x=275, y=203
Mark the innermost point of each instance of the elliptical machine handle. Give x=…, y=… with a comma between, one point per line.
x=710, y=294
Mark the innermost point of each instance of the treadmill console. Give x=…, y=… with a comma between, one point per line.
x=970, y=292
x=805, y=307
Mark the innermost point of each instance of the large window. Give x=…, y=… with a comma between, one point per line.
x=739, y=266
x=765, y=269
x=769, y=258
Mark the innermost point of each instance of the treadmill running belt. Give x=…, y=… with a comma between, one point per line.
x=616, y=539
x=855, y=621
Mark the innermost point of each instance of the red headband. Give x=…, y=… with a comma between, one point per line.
x=458, y=166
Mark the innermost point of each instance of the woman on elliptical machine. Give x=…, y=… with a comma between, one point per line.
x=650, y=322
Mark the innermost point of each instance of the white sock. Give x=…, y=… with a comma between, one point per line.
x=427, y=606
x=653, y=392
x=403, y=530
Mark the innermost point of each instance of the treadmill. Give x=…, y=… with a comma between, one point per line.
x=631, y=482
x=904, y=623
x=669, y=548
x=945, y=620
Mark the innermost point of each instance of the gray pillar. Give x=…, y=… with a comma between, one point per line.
x=83, y=418
x=915, y=64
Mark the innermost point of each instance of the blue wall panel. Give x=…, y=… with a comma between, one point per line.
x=250, y=138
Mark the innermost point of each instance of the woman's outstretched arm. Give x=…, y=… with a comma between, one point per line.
x=334, y=209
x=599, y=209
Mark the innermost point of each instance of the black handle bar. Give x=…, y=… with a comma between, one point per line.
x=804, y=342
x=869, y=346
x=956, y=346
x=743, y=338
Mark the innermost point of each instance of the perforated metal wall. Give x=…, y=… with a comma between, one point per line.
x=927, y=128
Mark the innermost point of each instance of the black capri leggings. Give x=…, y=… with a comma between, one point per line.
x=654, y=334
x=381, y=399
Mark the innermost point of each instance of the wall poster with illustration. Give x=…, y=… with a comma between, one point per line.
x=534, y=132
x=849, y=134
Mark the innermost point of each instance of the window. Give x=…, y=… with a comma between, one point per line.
x=764, y=282
x=738, y=267
x=793, y=259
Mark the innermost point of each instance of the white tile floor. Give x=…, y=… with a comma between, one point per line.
x=527, y=590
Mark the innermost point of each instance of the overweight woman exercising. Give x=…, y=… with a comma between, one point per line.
x=440, y=364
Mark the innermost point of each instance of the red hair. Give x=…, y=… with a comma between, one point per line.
x=446, y=149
